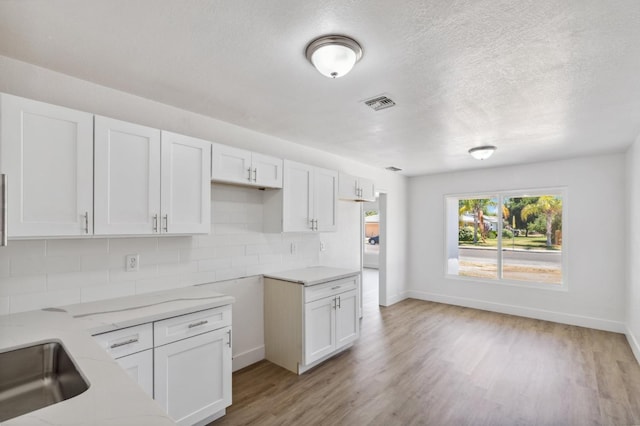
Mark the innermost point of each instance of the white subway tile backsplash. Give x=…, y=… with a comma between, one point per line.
x=132, y=245
x=4, y=305
x=29, y=302
x=77, y=280
x=20, y=285
x=245, y=261
x=213, y=264
x=144, y=272
x=28, y=265
x=109, y=291
x=39, y=273
x=77, y=247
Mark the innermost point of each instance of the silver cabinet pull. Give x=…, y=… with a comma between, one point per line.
x=4, y=187
x=126, y=342
x=336, y=287
x=166, y=223
x=155, y=223
x=198, y=324
x=86, y=222
x=229, y=333
x=339, y=304
x=255, y=174
x=316, y=224
x=335, y=302
x=249, y=170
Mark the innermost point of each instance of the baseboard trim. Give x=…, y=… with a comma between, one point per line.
x=541, y=314
x=246, y=358
x=392, y=300
x=633, y=342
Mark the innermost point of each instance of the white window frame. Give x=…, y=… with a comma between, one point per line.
x=501, y=195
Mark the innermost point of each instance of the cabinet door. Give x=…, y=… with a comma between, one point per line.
x=348, y=189
x=347, y=322
x=139, y=367
x=326, y=197
x=267, y=170
x=297, y=197
x=231, y=165
x=127, y=178
x=47, y=153
x=319, y=329
x=186, y=185
x=192, y=377
x=367, y=189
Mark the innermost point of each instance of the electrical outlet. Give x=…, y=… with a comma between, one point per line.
x=323, y=246
x=132, y=262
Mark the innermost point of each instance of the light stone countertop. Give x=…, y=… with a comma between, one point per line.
x=112, y=398
x=313, y=275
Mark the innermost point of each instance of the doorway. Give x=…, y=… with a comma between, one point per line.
x=373, y=253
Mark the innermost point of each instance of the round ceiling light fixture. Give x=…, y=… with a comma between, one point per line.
x=334, y=55
x=482, y=152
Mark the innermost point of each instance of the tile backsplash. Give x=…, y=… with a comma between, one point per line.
x=41, y=273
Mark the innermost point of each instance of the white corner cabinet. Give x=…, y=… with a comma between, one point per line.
x=46, y=151
x=307, y=202
x=355, y=188
x=242, y=167
x=145, y=181
x=183, y=362
x=305, y=325
x=149, y=181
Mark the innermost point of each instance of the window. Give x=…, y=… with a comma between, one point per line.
x=513, y=236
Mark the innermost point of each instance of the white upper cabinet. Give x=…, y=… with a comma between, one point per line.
x=326, y=196
x=356, y=188
x=239, y=166
x=127, y=178
x=150, y=181
x=186, y=185
x=307, y=202
x=47, y=153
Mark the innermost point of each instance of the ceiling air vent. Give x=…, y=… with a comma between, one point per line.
x=379, y=102
x=393, y=169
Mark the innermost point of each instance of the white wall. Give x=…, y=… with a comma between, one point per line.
x=56, y=272
x=594, y=236
x=633, y=248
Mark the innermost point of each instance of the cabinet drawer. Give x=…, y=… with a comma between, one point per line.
x=126, y=341
x=177, y=328
x=330, y=288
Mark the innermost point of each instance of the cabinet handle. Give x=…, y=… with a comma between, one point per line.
x=229, y=332
x=126, y=342
x=155, y=223
x=4, y=186
x=249, y=170
x=336, y=287
x=339, y=304
x=316, y=228
x=198, y=324
x=86, y=222
x=255, y=174
x=166, y=223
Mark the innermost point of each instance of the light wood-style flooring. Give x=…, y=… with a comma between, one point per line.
x=424, y=363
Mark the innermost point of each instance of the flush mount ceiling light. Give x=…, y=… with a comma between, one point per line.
x=334, y=55
x=482, y=152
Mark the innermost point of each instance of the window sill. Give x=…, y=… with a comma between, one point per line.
x=510, y=283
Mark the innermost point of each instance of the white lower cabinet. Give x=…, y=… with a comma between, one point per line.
x=182, y=362
x=305, y=325
x=190, y=380
x=139, y=367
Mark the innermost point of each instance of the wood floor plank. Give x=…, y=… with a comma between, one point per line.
x=425, y=363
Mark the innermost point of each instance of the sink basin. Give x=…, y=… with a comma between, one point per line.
x=35, y=377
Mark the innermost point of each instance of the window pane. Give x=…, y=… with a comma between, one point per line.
x=532, y=239
x=477, y=237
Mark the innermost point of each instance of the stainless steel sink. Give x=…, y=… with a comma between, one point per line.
x=35, y=377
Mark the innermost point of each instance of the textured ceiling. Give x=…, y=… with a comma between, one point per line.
x=540, y=79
